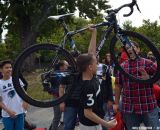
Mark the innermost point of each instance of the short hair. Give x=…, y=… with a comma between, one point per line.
x=60, y=64
x=150, y=53
x=135, y=44
x=3, y=63
x=83, y=61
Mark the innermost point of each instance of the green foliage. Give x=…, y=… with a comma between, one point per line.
x=3, y=50
x=12, y=46
x=27, y=19
x=91, y=8
x=27, y=23
x=127, y=25
x=151, y=30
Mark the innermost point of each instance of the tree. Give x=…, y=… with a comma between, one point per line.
x=3, y=50
x=151, y=30
x=26, y=17
x=127, y=25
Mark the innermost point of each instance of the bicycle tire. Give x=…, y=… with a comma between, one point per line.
x=149, y=44
x=16, y=68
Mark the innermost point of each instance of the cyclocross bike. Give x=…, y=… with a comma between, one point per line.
x=37, y=63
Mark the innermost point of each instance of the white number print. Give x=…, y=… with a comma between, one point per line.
x=90, y=99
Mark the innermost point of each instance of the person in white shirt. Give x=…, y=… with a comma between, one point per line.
x=13, y=107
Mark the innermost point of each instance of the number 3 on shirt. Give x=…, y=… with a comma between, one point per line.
x=90, y=99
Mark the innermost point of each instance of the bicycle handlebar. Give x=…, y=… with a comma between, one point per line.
x=130, y=5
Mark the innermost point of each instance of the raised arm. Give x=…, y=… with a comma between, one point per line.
x=92, y=45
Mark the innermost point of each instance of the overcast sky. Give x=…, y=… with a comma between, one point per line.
x=150, y=9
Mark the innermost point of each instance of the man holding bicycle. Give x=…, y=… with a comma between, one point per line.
x=72, y=104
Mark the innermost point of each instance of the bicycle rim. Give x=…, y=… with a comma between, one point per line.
x=32, y=64
x=146, y=45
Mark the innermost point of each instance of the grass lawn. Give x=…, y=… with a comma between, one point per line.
x=35, y=88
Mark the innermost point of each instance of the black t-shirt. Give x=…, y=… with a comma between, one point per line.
x=106, y=84
x=74, y=98
x=91, y=97
x=106, y=87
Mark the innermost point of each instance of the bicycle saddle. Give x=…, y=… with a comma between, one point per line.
x=58, y=17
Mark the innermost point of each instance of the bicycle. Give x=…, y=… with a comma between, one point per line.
x=54, y=53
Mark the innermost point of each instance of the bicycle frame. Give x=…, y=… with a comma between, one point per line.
x=59, y=53
x=111, y=26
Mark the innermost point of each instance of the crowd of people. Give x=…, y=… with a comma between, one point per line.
x=100, y=92
x=138, y=102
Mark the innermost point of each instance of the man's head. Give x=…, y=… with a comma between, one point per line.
x=108, y=58
x=62, y=65
x=132, y=50
x=6, y=68
x=87, y=63
x=150, y=56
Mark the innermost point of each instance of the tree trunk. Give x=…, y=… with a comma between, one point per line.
x=29, y=33
x=27, y=38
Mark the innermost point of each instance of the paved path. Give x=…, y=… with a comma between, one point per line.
x=42, y=117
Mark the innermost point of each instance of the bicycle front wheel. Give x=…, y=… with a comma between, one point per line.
x=35, y=67
x=145, y=45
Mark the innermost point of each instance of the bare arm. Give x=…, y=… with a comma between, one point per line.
x=93, y=117
x=61, y=90
x=25, y=105
x=3, y=106
x=92, y=45
x=118, y=90
x=61, y=93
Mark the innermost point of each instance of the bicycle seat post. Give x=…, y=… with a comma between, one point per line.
x=62, y=21
x=66, y=30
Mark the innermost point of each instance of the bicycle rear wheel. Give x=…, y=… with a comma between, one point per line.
x=35, y=65
x=145, y=45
